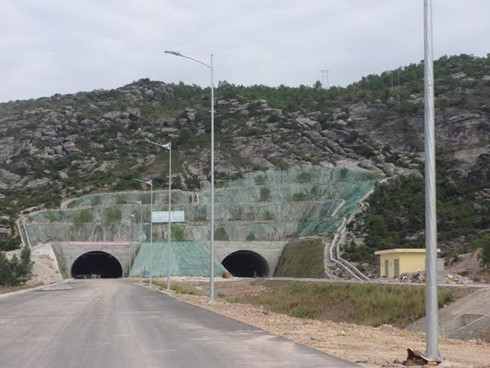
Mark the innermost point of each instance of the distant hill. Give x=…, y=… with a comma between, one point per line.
x=63, y=146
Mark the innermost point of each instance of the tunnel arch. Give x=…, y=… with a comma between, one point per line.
x=246, y=263
x=96, y=263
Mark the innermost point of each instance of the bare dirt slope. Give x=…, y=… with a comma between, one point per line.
x=468, y=266
x=383, y=346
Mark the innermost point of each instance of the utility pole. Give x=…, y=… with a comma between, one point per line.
x=325, y=71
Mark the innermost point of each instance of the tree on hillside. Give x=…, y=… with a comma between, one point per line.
x=15, y=271
x=484, y=255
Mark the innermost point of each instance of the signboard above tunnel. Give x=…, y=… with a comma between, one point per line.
x=159, y=217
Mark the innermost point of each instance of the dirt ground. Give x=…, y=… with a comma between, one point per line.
x=384, y=346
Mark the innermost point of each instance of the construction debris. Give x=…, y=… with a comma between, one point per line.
x=416, y=358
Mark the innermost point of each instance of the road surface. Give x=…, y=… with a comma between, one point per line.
x=113, y=323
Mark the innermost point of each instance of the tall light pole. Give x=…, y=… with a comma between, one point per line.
x=168, y=146
x=133, y=222
x=431, y=304
x=150, y=183
x=141, y=218
x=211, y=266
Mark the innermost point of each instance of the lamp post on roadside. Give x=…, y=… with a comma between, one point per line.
x=140, y=203
x=168, y=146
x=211, y=267
x=141, y=218
x=150, y=183
x=133, y=222
x=431, y=304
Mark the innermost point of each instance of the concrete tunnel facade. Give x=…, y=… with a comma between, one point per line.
x=245, y=259
x=107, y=259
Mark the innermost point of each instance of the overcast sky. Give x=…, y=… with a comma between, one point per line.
x=67, y=46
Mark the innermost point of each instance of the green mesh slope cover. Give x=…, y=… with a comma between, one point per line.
x=270, y=205
x=189, y=258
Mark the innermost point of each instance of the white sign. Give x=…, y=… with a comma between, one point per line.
x=162, y=216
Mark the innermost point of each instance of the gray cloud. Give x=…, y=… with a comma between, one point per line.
x=55, y=46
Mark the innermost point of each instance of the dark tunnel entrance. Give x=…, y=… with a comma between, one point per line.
x=96, y=264
x=245, y=263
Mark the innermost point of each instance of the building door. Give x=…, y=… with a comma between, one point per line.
x=387, y=268
x=397, y=267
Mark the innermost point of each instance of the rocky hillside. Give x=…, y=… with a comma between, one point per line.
x=66, y=145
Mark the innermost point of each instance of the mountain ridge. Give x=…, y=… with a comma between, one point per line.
x=63, y=146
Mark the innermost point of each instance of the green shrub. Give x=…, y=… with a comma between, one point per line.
x=112, y=215
x=178, y=233
x=304, y=178
x=268, y=216
x=300, y=197
x=83, y=217
x=265, y=194
x=221, y=234
x=484, y=254
x=260, y=179
x=250, y=237
x=200, y=214
x=15, y=271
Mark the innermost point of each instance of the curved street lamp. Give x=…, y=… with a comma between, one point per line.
x=210, y=66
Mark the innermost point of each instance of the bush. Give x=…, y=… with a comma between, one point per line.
x=112, y=216
x=268, y=216
x=178, y=234
x=15, y=271
x=221, y=234
x=303, y=178
x=265, y=194
x=484, y=255
x=82, y=217
x=260, y=179
x=250, y=237
x=299, y=197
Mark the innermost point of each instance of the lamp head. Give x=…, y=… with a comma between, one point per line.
x=167, y=146
x=173, y=53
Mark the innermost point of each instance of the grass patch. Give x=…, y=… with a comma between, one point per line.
x=179, y=288
x=302, y=259
x=371, y=305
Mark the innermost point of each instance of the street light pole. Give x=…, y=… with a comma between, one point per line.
x=141, y=226
x=150, y=183
x=133, y=222
x=211, y=267
x=431, y=304
x=168, y=146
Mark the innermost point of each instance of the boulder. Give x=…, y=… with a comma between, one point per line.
x=8, y=179
x=38, y=183
x=112, y=115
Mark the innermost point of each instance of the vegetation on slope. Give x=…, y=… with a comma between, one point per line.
x=302, y=259
x=395, y=217
x=372, y=305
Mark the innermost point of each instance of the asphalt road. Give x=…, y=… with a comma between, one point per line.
x=112, y=323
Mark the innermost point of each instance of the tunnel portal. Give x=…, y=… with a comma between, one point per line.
x=246, y=263
x=96, y=264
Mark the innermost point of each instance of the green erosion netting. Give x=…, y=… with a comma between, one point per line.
x=270, y=205
x=187, y=259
